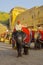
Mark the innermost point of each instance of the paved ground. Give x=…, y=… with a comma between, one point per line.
x=8, y=56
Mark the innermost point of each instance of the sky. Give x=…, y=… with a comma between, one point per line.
x=7, y=5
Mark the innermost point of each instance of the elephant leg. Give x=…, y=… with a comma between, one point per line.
x=19, y=50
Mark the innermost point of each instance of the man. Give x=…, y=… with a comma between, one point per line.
x=18, y=26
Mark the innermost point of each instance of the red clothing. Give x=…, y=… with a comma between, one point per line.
x=41, y=33
x=27, y=32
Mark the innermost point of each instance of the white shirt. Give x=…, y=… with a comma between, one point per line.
x=18, y=27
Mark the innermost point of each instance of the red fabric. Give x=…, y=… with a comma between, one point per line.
x=41, y=32
x=27, y=32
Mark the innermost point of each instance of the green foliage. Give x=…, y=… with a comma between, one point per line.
x=4, y=18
